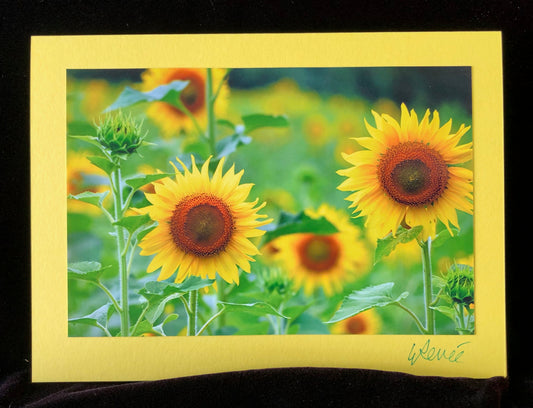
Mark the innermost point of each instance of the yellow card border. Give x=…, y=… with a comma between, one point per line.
x=56, y=357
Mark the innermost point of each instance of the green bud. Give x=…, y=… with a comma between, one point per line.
x=460, y=284
x=275, y=280
x=120, y=134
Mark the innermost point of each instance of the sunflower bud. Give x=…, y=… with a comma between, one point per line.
x=460, y=284
x=120, y=134
x=275, y=281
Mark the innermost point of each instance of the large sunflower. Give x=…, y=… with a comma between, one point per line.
x=409, y=174
x=171, y=119
x=203, y=225
x=327, y=261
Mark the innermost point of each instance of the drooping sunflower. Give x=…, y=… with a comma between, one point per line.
x=204, y=224
x=367, y=322
x=324, y=260
x=410, y=174
x=168, y=117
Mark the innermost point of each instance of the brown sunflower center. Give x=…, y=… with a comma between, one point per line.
x=356, y=325
x=413, y=173
x=193, y=96
x=319, y=253
x=201, y=224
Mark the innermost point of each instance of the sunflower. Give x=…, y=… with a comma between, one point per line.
x=168, y=117
x=367, y=322
x=324, y=260
x=204, y=225
x=409, y=174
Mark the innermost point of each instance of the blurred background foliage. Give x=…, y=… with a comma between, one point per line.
x=293, y=169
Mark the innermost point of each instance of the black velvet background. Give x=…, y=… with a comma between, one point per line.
x=289, y=387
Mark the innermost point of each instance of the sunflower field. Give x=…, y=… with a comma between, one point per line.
x=270, y=201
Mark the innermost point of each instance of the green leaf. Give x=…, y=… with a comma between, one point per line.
x=98, y=318
x=145, y=327
x=229, y=144
x=103, y=163
x=259, y=120
x=298, y=223
x=446, y=311
x=89, y=139
x=138, y=182
x=360, y=300
x=158, y=294
x=169, y=93
x=443, y=237
x=386, y=245
x=88, y=270
x=169, y=318
x=142, y=233
x=257, y=309
x=90, y=197
x=226, y=122
x=134, y=222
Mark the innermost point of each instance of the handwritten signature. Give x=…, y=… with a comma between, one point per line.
x=431, y=353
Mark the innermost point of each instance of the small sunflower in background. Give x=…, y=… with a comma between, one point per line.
x=204, y=225
x=172, y=120
x=409, y=174
x=324, y=261
x=367, y=322
x=82, y=176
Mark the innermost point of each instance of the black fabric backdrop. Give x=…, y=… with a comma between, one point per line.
x=287, y=387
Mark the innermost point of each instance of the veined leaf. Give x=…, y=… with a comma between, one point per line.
x=230, y=143
x=158, y=294
x=298, y=223
x=90, y=197
x=134, y=222
x=446, y=311
x=98, y=318
x=103, y=163
x=169, y=93
x=259, y=120
x=138, y=182
x=360, y=300
x=88, y=270
x=257, y=309
x=169, y=318
x=386, y=245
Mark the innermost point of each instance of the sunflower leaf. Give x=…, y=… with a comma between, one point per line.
x=443, y=236
x=446, y=311
x=360, y=300
x=89, y=139
x=87, y=270
x=90, y=197
x=103, y=163
x=298, y=223
x=134, y=222
x=169, y=93
x=158, y=294
x=169, y=318
x=386, y=245
x=230, y=143
x=259, y=120
x=138, y=182
x=258, y=308
x=98, y=318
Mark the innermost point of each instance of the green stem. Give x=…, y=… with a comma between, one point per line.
x=210, y=320
x=193, y=308
x=428, y=291
x=121, y=253
x=211, y=136
x=189, y=114
x=109, y=295
x=414, y=316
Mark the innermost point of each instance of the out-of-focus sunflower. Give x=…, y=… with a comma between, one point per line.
x=317, y=129
x=82, y=176
x=204, y=225
x=410, y=173
x=326, y=261
x=172, y=120
x=95, y=98
x=367, y=322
